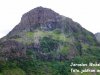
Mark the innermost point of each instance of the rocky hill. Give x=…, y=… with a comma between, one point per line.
x=45, y=35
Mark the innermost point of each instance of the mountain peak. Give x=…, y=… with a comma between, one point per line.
x=40, y=8
x=40, y=15
x=44, y=31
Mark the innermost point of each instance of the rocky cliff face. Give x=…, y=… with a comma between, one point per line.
x=97, y=35
x=48, y=36
x=38, y=17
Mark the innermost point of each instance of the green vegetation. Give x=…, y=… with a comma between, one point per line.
x=55, y=46
x=64, y=50
x=33, y=66
x=30, y=37
x=16, y=71
x=26, y=38
x=36, y=67
x=47, y=44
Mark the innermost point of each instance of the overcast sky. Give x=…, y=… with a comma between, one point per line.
x=85, y=12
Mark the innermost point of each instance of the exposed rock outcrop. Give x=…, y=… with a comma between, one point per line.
x=97, y=35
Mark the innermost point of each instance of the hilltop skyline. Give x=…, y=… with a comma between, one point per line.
x=84, y=12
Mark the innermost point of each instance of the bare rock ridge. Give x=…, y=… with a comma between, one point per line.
x=45, y=19
x=34, y=17
x=40, y=15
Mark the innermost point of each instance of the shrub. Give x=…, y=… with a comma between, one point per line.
x=48, y=44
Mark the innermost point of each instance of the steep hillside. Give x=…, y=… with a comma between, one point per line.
x=47, y=41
